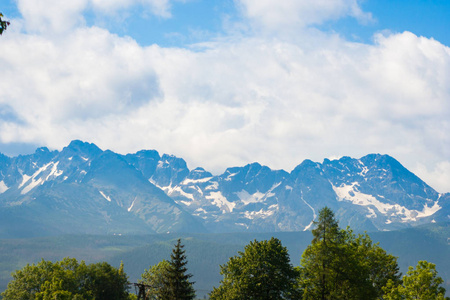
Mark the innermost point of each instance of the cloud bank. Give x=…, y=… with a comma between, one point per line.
x=278, y=93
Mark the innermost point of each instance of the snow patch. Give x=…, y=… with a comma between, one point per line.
x=54, y=172
x=371, y=214
x=132, y=204
x=32, y=185
x=364, y=168
x=231, y=175
x=246, y=198
x=198, y=213
x=104, y=196
x=35, y=182
x=214, y=186
x=200, y=210
x=171, y=191
x=314, y=215
x=261, y=213
x=3, y=187
x=25, y=179
x=193, y=181
x=221, y=202
x=351, y=193
x=242, y=224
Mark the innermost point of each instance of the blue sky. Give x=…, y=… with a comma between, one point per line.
x=199, y=20
x=226, y=83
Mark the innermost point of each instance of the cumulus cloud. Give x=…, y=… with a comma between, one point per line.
x=438, y=174
x=53, y=16
x=234, y=100
x=279, y=15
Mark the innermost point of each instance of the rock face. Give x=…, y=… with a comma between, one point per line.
x=83, y=189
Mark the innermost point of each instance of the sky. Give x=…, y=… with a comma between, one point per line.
x=231, y=82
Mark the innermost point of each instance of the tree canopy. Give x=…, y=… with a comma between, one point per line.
x=262, y=271
x=420, y=283
x=340, y=265
x=155, y=278
x=68, y=279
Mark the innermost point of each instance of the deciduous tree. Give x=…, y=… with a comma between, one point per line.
x=420, y=283
x=67, y=279
x=262, y=271
x=154, y=278
x=340, y=265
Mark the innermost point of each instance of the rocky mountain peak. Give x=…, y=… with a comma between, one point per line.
x=148, y=192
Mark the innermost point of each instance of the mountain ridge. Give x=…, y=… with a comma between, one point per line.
x=102, y=192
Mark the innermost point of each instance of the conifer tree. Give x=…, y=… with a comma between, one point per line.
x=177, y=285
x=340, y=265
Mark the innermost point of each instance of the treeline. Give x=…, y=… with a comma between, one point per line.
x=338, y=264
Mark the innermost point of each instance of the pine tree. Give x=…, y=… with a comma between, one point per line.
x=177, y=285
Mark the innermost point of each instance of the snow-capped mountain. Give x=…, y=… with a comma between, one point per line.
x=83, y=189
x=373, y=193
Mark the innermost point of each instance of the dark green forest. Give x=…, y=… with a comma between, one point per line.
x=205, y=253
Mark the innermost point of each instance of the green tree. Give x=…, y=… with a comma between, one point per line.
x=340, y=265
x=321, y=268
x=378, y=267
x=262, y=271
x=3, y=24
x=177, y=285
x=420, y=283
x=155, y=277
x=67, y=279
x=105, y=282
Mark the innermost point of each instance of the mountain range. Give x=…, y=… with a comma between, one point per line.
x=84, y=189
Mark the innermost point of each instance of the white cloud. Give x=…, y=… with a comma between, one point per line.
x=277, y=15
x=234, y=100
x=438, y=175
x=54, y=16
x=51, y=15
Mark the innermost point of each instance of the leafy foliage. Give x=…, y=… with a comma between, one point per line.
x=340, y=265
x=419, y=283
x=68, y=279
x=155, y=277
x=3, y=24
x=262, y=271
